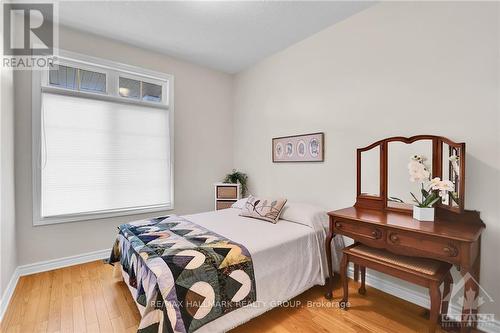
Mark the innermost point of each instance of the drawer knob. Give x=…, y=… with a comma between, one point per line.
x=450, y=250
x=376, y=234
x=338, y=225
x=394, y=238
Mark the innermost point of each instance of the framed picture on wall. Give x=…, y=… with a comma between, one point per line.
x=299, y=148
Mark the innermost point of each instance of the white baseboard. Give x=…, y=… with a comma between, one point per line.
x=49, y=265
x=413, y=296
x=44, y=266
x=9, y=291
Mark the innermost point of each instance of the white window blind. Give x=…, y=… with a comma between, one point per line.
x=99, y=156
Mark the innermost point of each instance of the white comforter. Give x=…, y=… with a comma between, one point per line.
x=288, y=259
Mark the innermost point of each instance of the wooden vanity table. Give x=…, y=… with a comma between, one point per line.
x=380, y=219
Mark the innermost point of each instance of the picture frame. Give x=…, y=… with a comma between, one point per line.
x=299, y=148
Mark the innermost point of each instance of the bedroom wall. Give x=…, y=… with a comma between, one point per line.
x=397, y=68
x=203, y=147
x=8, y=258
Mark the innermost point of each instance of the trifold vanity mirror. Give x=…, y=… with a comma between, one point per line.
x=384, y=181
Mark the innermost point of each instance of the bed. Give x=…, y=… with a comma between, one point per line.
x=287, y=258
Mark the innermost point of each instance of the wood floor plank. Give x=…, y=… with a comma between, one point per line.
x=16, y=304
x=100, y=306
x=79, y=325
x=93, y=327
x=41, y=327
x=67, y=302
x=118, y=325
x=20, y=301
x=111, y=294
x=127, y=316
x=42, y=315
x=132, y=307
x=29, y=318
x=13, y=329
x=89, y=298
x=55, y=304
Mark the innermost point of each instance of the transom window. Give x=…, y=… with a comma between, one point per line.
x=141, y=90
x=77, y=79
x=102, y=140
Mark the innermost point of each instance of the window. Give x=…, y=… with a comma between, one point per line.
x=130, y=88
x=146, y=91
x=151, y=92
x=101, y=151
x=77, y=79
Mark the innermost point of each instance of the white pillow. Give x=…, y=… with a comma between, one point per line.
x=306, y=214
x=240, y=203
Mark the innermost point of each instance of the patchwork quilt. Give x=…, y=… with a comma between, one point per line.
x=182, y=275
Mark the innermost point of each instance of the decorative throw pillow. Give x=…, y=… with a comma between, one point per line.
x=240, y=203
x=263, y=209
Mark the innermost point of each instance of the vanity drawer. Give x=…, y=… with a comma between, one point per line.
x=423, y=245
x=362, y=232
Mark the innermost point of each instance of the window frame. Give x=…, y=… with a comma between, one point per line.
x=112, y=70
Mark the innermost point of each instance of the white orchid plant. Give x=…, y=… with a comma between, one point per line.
x=433, y=189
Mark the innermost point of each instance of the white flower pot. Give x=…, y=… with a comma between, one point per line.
x=423, y=214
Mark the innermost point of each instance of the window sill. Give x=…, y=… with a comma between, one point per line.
x=40, y=221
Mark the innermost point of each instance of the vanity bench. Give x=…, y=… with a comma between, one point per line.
x=427, y=273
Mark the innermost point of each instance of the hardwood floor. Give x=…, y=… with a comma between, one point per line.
x=88, y=298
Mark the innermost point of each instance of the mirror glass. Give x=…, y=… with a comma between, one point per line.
x=401, y=157
x=370, y=172
x=451, y=171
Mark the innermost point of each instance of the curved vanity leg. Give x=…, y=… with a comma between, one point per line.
x=435, y=294
x=345, y=281
x=356, y=273
x=448, y=281
x=328, y=247
x=362, y=289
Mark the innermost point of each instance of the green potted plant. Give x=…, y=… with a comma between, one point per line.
x=236, y=177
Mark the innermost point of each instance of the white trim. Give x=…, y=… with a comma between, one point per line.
x=44, y=266
x=413, y=296
x=88, y=216
x=38, y=77
x=103, y=97
x=113, y=71
x=8, y=293
x=109, y=64
x=49, y=265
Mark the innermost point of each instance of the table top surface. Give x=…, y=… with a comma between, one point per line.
x=468, y=231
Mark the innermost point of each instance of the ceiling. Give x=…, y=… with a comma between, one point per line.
x=223, y=35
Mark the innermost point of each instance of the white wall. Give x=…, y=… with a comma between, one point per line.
x=203, y=147
x=402, y=68
x=8, y=258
